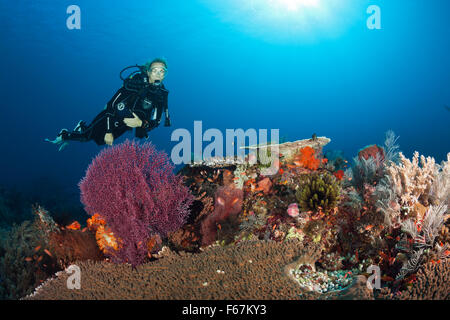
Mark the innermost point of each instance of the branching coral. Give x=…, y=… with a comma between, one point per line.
x=134, y=190
x=412, y=181
x=409, y=188
x=319, y=192
x=440, y=190
x=404, y=196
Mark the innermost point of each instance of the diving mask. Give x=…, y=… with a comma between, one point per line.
x=158, y=71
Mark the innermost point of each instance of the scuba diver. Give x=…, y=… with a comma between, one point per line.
x=138, y=104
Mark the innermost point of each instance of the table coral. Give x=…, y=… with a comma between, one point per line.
x=251, y=270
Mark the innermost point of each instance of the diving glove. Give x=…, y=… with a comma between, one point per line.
x=60, y=140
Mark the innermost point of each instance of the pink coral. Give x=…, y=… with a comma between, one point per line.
x=132, y=187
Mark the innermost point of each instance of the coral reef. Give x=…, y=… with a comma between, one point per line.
x=440, y=190
x=251, y=270
x=336, y=160
x=423, y=234
x=36, y=249
x=372, y=151
x=411, y=181
x=24, y=264
x=319, y=192
x=357, y=290
x=69, y=246
x=432, y=282
x=405, y=197
x=321, y=281
x=104, y=237
x=306, y=158
x=228, y=205
x=133, y=189
x=307, y=231
x=290, y=149
x=365, y=171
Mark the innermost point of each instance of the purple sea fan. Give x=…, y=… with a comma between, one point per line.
x=133, y=188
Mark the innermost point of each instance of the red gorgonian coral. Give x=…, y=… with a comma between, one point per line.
x=133, y=188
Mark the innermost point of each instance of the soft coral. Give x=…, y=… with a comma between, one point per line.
x=306, y=158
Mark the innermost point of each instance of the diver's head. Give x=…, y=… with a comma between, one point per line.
x=157, y=70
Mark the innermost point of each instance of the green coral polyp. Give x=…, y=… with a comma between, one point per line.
x=319, y=191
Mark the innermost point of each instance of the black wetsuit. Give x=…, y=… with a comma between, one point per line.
x=147, y=101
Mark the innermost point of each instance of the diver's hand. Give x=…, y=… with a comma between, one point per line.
x=59, y=140
x=109, y=139
x=133, y=122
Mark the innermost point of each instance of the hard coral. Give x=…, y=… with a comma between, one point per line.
x=440, y=191
x=133, y=188
x=412, y=182
x=432, y=282
x=251, y=270
x=318, y=192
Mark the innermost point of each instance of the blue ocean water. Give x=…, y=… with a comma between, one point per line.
x=303, y=67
